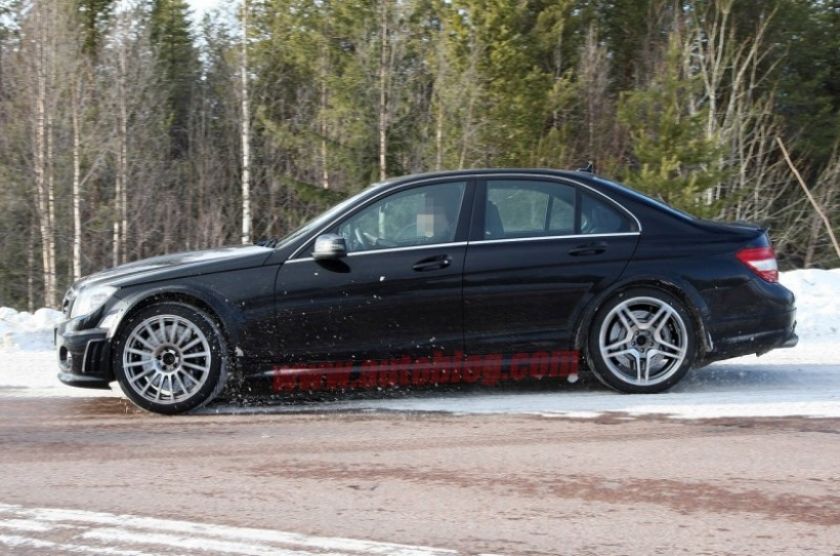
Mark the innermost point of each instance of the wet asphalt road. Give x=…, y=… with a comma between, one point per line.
x=474, y=484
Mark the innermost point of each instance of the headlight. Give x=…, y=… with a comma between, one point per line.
x=91, y=299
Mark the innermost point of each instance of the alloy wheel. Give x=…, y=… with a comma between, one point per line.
x=643, y=341
x=166, y=359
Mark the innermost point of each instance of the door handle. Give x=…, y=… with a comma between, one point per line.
x=432, y=263
x=586, y=249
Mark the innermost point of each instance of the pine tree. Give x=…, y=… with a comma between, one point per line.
x=178, y=65
x=673, y=158
x=93, y=17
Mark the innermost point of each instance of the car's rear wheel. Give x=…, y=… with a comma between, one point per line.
x=641, y=341
x=170, y=358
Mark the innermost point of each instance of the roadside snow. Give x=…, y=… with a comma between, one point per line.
x=801, y=381
x=22, y=331
x=817, y=303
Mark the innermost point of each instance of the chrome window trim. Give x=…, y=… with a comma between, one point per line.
x=467, y=178
x=393, y=250
x=469, y=243
x=544, y=238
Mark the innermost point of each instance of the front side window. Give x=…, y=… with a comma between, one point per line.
x=422, y=215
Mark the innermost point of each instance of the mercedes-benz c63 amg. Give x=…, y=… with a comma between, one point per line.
x=478, y=276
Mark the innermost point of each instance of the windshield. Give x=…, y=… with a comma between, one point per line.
x=323, y=218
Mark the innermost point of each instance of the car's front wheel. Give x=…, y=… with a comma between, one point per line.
x=170, y=357
x=641, y=341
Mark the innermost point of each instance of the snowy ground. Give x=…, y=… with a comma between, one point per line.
x=802, y=381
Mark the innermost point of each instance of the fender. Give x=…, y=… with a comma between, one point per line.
x=228, y=318
x=695, y=304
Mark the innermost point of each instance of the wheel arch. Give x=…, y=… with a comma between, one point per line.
x=690, y=297
x=224, y=317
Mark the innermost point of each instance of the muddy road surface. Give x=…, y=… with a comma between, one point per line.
x=96, y=476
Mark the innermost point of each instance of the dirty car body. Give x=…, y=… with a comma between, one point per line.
x=470, y=276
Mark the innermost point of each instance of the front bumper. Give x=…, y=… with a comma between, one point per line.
x=84, y=356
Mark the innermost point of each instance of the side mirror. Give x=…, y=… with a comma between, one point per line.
x=329, y=247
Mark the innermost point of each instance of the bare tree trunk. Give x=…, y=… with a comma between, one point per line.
x=52, y=289
x=325, y=172
x=77, y=171
x=42, y=146
x=817, y=208
x=30, y=272
x=246, y=132
x=123, y=170
x=813, y=238
x=439, y=137
x=383, y=90
x=120, y=225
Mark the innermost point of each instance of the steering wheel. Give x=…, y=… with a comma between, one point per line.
x=359, y=239
x=364, y=240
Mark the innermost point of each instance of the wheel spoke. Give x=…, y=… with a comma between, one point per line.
x=193, y=366
x=669, y=350
x=141, y=340
x=162, y=328
x=181, y=384
x=638, y=360
x=142, y=374
x=192, y=344
x=151, y=334
x=141, y=353
x=661, y=317
x=173, y=332
x=184, y=336
x=138, y=363
x=148, y=385
x=628, y=319
x=188, y=375
x=631, y=351
x=193, y=355
x=619, y=343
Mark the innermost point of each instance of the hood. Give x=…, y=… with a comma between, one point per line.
x=179, y=265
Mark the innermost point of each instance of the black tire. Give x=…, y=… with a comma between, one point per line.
x=610, y=373
x=211, y=379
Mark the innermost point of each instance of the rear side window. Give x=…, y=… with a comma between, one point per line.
x=597, y=216
x=532, y=208
x=523, y=208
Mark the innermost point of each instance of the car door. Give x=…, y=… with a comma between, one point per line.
x=539, y=250
x=396, y=294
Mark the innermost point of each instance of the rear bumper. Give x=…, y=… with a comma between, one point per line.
x=84, y=356
x=755, y=336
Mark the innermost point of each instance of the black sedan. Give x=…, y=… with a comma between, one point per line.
x=477, y=276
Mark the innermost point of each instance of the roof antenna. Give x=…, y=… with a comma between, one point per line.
x=589, y=168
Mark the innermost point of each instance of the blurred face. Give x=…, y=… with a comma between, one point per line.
x=434, y=220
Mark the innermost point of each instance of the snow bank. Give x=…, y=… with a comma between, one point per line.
x=22, y=331
x=817, y=303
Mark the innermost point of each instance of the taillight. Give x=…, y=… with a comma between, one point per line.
x=762, y=261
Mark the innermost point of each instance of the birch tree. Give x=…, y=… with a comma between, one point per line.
x=245, y=128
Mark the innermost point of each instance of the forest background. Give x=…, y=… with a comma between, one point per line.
x=129, y=130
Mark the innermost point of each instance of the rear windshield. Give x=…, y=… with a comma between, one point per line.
x=657, y=202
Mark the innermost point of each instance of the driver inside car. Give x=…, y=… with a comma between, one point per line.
x=435, y=223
